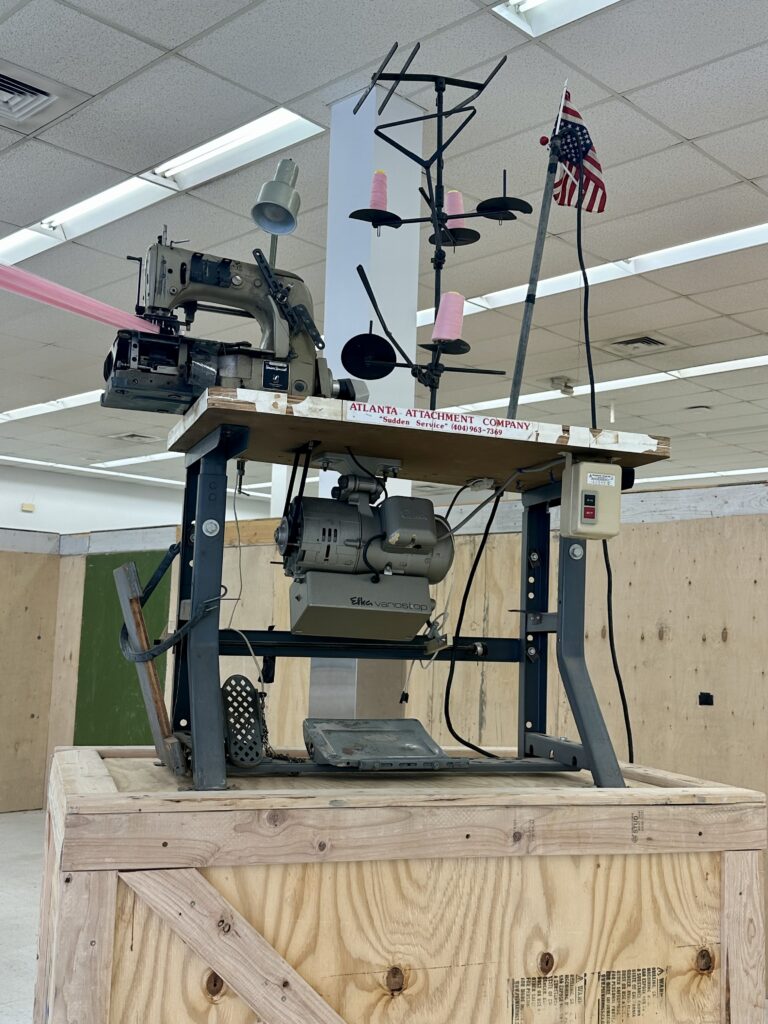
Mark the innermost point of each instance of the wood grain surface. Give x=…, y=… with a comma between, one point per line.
x=449, y=941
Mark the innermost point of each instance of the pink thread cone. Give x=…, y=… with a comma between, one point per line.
x=454, y=207
x=22, y=282
x=379, y=191
x=450, y=317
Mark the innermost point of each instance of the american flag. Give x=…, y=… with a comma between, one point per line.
x=577, y=151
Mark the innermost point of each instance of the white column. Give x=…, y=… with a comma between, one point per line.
x=277, y=495
x=343, y=688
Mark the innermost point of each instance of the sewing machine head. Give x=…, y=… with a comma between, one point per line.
x=167, y=371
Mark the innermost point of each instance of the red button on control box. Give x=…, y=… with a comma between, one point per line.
x=589, y=513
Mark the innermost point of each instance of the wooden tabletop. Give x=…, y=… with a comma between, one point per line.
x=438, y=447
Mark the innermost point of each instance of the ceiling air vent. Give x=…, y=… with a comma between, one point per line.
x=19, y=100
x=135, y=438
x=28, y=100
x=642, y=344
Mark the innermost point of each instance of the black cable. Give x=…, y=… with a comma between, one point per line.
x=585, y=308
x=454, y=499
x=367, y=472
x=593, y=411
x=459, y=622
x=378, y=536
x=615, y=659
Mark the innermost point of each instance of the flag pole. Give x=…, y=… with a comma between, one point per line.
x=538, y=252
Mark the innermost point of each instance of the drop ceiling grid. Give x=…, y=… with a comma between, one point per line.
x=605, y=103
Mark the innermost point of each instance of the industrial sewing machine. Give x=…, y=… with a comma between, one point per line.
x=166, y=372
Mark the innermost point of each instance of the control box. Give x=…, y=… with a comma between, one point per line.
x=591, y=502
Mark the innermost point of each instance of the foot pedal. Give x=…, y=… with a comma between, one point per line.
x=244, y=717
x=373, y=744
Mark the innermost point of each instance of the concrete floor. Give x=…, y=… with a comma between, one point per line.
x=21, y=865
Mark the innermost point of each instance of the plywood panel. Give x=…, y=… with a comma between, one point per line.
x=66, y=653
x=27, y=637
x=431, y=941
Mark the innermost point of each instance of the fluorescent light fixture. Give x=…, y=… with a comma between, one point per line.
x=136, y=459
x=23, y=244
x=273, y=131
x=535, y=17
x=621, y=384
x=88, y=471
x=55, y=405
x=267, y=485
x=757, y=471
x=252, y=141
x=105, y=207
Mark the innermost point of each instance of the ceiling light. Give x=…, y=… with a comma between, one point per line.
x=106, y=473
x=104, y=207
x=539, y=16
x=89, y=471
x=622, y=383
x=688, y=252
x=55, y=405
x=252, y=141
x=136, y=459
x=23, y=244
x=757, y=471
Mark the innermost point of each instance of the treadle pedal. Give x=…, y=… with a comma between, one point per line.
x=373, y=744
x=244, y=717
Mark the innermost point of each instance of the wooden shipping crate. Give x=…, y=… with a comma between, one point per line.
x=428, y=899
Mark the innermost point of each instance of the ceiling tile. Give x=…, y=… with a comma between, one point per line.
x=630, y=44
x=603, y=299
x=238, y=191
x=659, y=178
x=132, y=127
x=188, y=220
x=715, y=272
x=291, y=251
x=747, y=393
x=501, y=270
x=697, y=355
x=73, y=48
x=705, y=332
x=739, y=298
x=757, y=319
x=713, y=97
x=167, y=22
x=7, y=137
x=74, y=266
x=524, y=94
x=259, y=48
x=629, y=323
x=39, y=180
x=464, y=45
x=742, y=149
x=738, y=206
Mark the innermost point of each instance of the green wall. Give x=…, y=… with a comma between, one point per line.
x=110, y=709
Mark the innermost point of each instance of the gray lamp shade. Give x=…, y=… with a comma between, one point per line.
x=277, y=206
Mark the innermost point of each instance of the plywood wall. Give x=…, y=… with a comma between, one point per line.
x=28, y=603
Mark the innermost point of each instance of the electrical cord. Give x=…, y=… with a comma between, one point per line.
x=238, y=487
x=593, y=415
x=459, y=622
x=455, y=498
x=367, y=472
x=499, y=491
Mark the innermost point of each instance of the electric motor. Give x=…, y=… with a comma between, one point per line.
x=400, y=537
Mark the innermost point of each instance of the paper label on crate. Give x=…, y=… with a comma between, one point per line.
x=635, y=994
x=557, y=999
x=442, y=421
x=601, y=480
